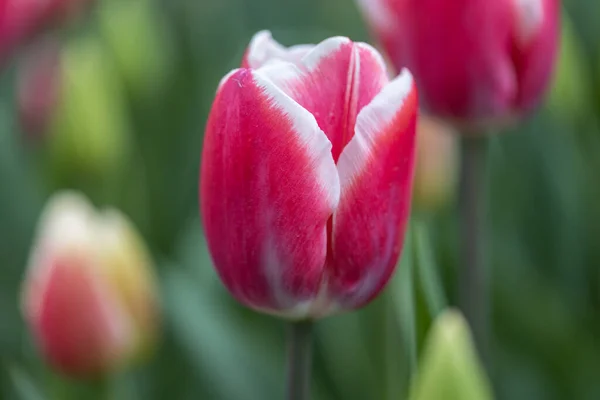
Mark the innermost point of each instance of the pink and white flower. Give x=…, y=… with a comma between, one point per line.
x=306, y=176
x=474, y=61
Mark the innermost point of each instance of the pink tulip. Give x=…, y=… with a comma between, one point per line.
x=473, y=60
x=306, y=176
x=20, y=20
x=89, y=295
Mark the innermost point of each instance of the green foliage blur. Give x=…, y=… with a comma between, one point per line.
x=161, y=67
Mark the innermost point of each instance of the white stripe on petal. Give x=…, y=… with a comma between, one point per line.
x=309, y=134
x=370, y=123
x=323, y=49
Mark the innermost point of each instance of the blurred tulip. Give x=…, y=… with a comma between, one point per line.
x=475, y=61
x=139, y=41
x=306, y=177
x=450, y=369
x=38, y=87
x=89, y=131
x=89, y=295
x=437, y=165
x=20, y=20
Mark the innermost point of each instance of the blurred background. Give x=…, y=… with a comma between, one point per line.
x=135, y=82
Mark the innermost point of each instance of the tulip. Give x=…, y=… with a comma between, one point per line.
x=20, y=20
x=89, y=132
x=437, y=165
x=89, y=295
x=474, y=61
x=306, y=176
x=138, y=39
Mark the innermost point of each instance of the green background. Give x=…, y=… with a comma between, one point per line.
x=544, y=223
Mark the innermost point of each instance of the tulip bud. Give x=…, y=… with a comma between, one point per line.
x=437, y=165
x=476, y=62
x=306, y=177
x=89, y=132
x=89, y=295
x=449, y=368
x=21, y=20
x=138, y=39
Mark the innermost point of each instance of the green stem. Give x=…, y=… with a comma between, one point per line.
x=473, y=287
x=427, y=270
x=299, y=360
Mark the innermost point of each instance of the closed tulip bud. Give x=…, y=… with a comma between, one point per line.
x=437, y=165
x=138, y=39
x=89, y=295
x=450, y=369
x=306, y=177
x=21, y=20
x=89, y=132
x=476, y=62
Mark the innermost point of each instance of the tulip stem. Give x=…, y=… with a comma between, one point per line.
x=473, y=290
x=299, y=360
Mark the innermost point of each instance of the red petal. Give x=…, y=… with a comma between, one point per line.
x=334, y=82
x=376, y=171
x=80, y=326
x=268, y=186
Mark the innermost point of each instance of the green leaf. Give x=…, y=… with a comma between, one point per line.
x=23, y=385
x=427, y=270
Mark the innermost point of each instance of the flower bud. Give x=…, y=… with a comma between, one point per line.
x=437, y=165
x=476, y=62
x=449, y=368
x=307, y=174
x=22, y=20
x=89, y=132
x=89, y=295
x=138, y=39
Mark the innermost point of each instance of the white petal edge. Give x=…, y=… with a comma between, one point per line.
x=328, y=46
x=226, y=78
x=376, y=55
x=529, y=17
x=64, y=222
x=372, y=121
x=378, y=14
x=309, y=134
x=263, y=49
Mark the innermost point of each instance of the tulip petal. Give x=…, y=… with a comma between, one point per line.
x=263, y=49
x=535, y=34
x=376, y=171
x=334, y=81
x=268, y=186
x=84, y=330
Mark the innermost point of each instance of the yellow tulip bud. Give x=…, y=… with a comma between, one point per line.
x=89, y=295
